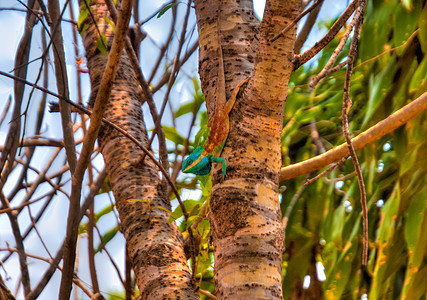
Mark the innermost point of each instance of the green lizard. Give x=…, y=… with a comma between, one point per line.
x=200, y=161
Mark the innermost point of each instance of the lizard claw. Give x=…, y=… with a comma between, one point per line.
x=224, y=164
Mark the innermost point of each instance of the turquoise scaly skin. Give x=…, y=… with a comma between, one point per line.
x=199, y=164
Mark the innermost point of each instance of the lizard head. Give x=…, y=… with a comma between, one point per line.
x=197, y=163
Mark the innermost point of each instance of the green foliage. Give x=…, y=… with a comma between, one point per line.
x=84, y=14
x=321, y=226
x=101, y=44
x=108, y=236
x=166, y=8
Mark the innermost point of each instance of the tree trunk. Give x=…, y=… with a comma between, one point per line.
x=155, y=247
x=244, y=210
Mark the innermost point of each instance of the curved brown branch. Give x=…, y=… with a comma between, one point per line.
x=371, y=135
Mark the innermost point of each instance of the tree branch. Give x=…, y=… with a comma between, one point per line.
x=62, y=82
x=371, y=135
x=346, y=105
x=49, y=272
x=301, y=59
x=85, y=156
x=13, y=218
x=308, y=25
x=296, y=20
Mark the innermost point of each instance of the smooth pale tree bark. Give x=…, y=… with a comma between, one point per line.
x=244, y=211
x=155, y=247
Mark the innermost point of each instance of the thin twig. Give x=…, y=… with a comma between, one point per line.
x=345, y=109
x=306, y=29
x=296, y=20
x=207, y=294
x=342, y=178
x=173, y=75
x=301, y=59
x=76, y=280
x=166, y=76
x=54, y=264
x=100, y=106
x=109, y=256
x=331, y=168
x=6, y=109
x=45, y=13
x=62, y=83
x=13, y=218
x=325, y=72
x=109, y=123
x=291, y=205
x=163, y=48
x=146, y=94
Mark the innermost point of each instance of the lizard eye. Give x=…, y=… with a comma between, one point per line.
x=194, y=156
x=197, y=165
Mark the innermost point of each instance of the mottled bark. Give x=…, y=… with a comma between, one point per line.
x=155, y=248
x=248, y=241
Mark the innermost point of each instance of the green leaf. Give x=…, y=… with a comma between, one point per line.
x=185, y=108
x=191, y=206
x=106, y=186
x=101, y=44
x=166, y=8
x=108, y=236
x=106, y=19
x=84, y=13
x=106, y=210
x=203, y=133
x=379, y=87
x=419, y=78
x=172, y=134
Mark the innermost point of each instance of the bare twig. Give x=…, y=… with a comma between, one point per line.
x=331, y=168
x=13, y=218
x=45, y=13
x=345, y=109
x=91, y=252
x=100, y=106
x=116, y=127
x=109, y=256
x=173, y=75
x=325, y=72
x=165, y=46
x=296, y=20
x=207, y=294
x=54, y=264
x=12, y=139
x=62, y=83
x=291, y=205
x=342, y=178
x=146, y=94
x=33, y=142
x=166, y=76
x=369, y=136
x=5, y=110
x=301, y=59
x=76, y=280
x=305, y=31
